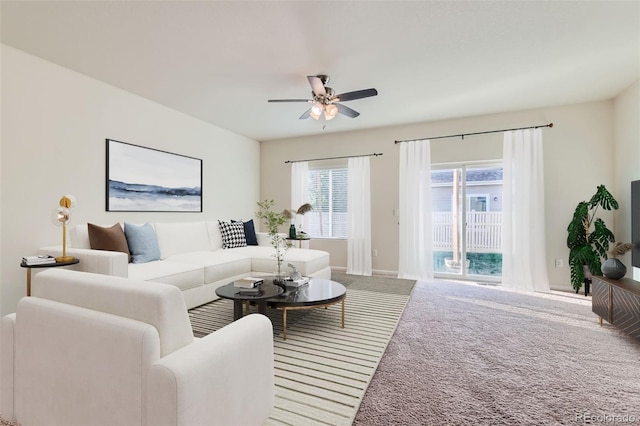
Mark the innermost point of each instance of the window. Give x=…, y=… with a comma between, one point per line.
x=470, y=236
x=328, y=196
x=477, y=203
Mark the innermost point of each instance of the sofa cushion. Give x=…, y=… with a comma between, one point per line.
x=215, y=237
x=79, y=236
x=182, y=237
x=307, y=261
x=232, y=234
x=111, y=238
x=219, y=264
x=178, y=274
x=142, y=241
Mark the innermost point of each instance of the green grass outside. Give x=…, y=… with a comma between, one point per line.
x=479, y=263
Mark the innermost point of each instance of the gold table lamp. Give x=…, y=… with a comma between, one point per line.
x=61, y=216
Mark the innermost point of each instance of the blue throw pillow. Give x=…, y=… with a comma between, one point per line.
x=142, y=241
x=250, y=233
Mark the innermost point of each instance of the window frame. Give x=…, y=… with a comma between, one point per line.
x=343, y=166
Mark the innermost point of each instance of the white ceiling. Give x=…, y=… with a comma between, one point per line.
x=429, y=60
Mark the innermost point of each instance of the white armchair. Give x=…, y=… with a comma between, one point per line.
x=91, y=349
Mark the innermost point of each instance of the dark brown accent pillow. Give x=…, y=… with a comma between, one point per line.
x=112, y=239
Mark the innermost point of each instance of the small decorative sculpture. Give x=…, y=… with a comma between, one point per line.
x=295, y=274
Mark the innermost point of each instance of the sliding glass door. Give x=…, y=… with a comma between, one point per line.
x=467, y=221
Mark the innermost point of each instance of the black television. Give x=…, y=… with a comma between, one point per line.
x=635, y=227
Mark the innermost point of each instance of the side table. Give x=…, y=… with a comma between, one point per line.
x=299, y=240
x=48, y=265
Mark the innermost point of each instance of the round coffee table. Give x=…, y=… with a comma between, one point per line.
x=267, y=290
x=318, y=293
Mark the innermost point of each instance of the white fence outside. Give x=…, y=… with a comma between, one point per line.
x=484, y=232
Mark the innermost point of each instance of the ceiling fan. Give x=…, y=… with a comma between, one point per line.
x=325, y=100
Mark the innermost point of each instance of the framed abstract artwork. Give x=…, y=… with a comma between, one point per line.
x=141, y=179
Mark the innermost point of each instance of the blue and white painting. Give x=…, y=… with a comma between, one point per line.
x=145, y=179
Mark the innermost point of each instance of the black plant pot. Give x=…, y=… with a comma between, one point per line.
x=613, y=268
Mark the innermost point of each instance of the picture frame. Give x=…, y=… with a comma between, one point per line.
x=141, y=179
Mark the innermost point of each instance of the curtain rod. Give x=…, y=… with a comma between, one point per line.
x=462, y=135
x=375, y=154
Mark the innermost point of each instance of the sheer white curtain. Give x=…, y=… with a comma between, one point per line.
x=524, y=264
x=416, y=253
x=300, y=189
x=359, y=217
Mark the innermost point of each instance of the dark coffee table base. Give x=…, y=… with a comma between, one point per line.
x=238, y=305
x=231, y=292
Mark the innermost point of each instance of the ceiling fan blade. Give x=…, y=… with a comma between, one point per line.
x=289, y=100
x=358, y=94
x=347, y=111
x=316, y=85
x=306, y=114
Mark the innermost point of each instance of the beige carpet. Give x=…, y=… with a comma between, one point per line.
x=322, y=371
x=477, y=355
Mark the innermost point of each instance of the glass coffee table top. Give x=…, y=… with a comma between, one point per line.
x=318, y=291
x=267, y=290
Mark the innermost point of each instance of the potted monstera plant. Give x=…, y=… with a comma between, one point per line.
x=588, y=237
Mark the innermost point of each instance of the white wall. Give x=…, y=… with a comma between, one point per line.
x=578, y=154
x=626, y=131
x=54, y=125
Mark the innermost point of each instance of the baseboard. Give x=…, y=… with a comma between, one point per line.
x=563, y=287
x=383, y=273
x=376, y=272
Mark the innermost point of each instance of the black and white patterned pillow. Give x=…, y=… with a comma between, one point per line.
x=232, y=234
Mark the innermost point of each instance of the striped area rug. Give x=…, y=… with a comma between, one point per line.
x=322, y=370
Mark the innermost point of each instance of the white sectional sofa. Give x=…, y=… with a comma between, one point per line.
x=191, y=258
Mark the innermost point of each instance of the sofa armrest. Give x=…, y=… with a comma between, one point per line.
x=225, y=378
x=103, y=262
x=7, y=367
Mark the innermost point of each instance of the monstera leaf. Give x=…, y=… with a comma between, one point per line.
x=601, y=237
x=604, y=199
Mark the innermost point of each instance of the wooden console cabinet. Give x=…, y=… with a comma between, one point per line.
x=618, y=302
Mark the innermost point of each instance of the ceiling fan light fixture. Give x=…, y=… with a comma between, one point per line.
x=324, y=99
x=316, y=110
x=330, y=112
